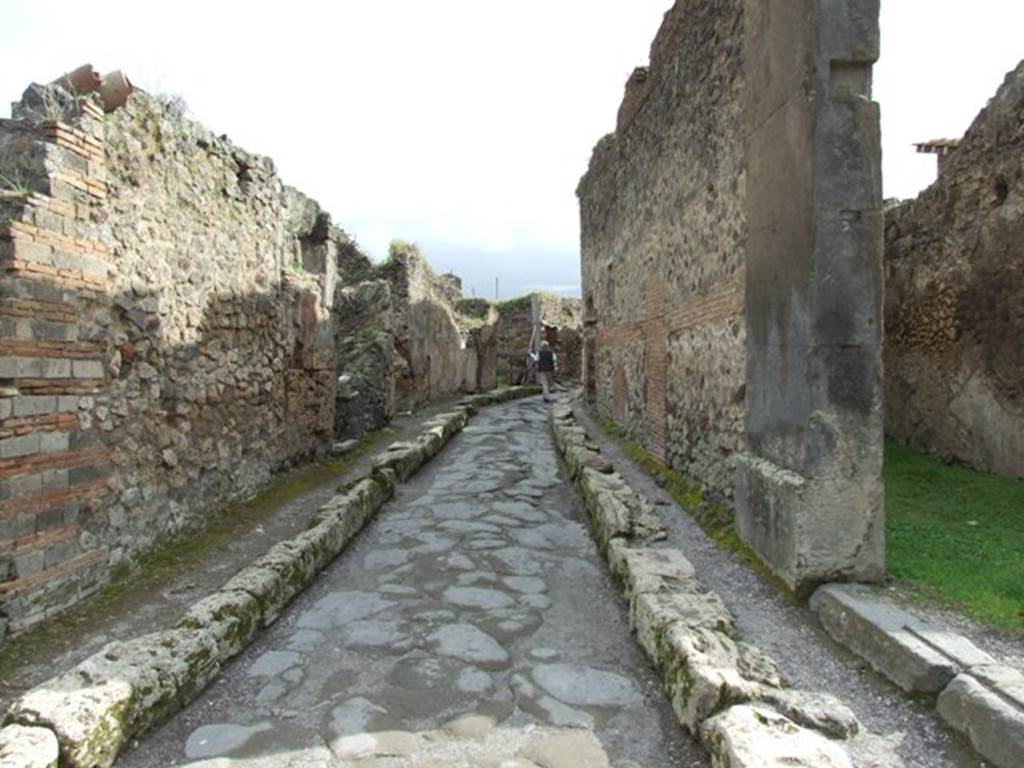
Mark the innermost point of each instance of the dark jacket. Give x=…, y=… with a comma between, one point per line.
x=546, y=361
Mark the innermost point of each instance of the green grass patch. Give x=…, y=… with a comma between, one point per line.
x=716, y=521
x=183, y=553
x=956, y=536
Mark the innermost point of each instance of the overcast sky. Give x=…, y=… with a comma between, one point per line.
x=464, y=125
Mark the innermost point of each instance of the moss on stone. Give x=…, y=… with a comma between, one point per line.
x=717, y=522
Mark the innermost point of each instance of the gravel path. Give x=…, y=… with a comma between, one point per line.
x=806, y=656
x=476, y=592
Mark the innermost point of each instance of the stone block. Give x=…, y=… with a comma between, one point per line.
x=35, y=405
x=917, y=657
x=24, y=445
x=403, y=458
x=87, y=716
x=986, y=704
x=266, y=585
x=819, y=711
x=28, y=747
x=87, y=369
x=704, y=671
x=652, y=613
x=54, y=442
x=67, y=403
x=231, y=616
x=748, y=736
x=55, y=368
x=644, y=570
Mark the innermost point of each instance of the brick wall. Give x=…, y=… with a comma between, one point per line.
x=663, y=227
x=54, y=464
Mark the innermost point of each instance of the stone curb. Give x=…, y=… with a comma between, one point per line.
x=727, y=692
x=92, y=711
x=977, y=696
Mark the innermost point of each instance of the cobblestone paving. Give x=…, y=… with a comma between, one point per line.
x=471, y=625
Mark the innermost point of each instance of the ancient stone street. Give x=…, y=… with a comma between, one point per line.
x=477, y=593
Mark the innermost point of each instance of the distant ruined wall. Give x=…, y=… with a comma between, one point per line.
x=439, y=352
x=163, y=351
x=731, y=265
x=954, y=306
x=561, y=325
x=663, y=227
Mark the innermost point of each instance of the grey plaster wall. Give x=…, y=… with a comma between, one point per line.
x=809, y=497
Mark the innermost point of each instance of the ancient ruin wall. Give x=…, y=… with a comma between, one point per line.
x=731, y=255
x=663, y=227
x=162, y=348
x=439, y=352
x=561, y=326
x=954, y=305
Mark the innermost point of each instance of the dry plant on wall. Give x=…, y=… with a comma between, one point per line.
x=13, y=182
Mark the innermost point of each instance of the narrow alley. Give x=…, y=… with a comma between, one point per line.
x=471, y=618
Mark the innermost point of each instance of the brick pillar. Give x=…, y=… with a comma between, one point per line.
x=53, y=464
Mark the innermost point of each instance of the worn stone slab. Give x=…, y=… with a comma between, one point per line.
x=704, y=671
x=641, y=570
x=28, y=747
x=986, y=704
x=746, y=736
x=123, y=689
x=819, y=711
x=572, y=749
x=917, y=657
x=404, y=458
x=609, y=511
x=652, y=613
x=233, y=616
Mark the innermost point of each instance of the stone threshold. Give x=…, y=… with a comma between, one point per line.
x=724, y=691
x=84, y=717
x=977, y=696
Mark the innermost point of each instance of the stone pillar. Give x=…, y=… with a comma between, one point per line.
x=809, y=488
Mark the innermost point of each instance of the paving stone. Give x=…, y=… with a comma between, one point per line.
x=753, y=737
x=573, y=749
x=470, y=727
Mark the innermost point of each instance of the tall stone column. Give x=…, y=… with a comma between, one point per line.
x=809, y=487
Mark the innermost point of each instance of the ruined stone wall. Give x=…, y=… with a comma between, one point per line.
x=439, y=352
x=162, y=349
x=731, y=258
x=663, y=226
x=561, y=326
x=954, y=305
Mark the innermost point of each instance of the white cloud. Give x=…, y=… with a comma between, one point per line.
x=464, y=123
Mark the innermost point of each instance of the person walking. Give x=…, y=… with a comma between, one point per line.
x=546, y=361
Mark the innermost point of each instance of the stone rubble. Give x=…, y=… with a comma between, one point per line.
x=126, y=688
x=690, y=637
